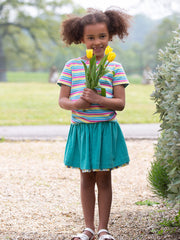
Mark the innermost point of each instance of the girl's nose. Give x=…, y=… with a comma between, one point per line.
x=97, y=41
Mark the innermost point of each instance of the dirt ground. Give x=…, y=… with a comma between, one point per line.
x=39, y=196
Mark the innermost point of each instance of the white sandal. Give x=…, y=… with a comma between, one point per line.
x=105, y=236
x=83, y=236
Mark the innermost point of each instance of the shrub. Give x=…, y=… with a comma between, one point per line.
x=164, y=175
x=158, y=178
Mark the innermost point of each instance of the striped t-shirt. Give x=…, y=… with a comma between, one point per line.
x=73, y=75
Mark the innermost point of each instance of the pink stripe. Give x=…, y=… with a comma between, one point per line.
x=78, y=70
x=89, y=114
x=121, y=81
x=80, y=84
x=78, y=77
x=64, y=81
x=65, y=73
x=107, y=85
x=76, y=93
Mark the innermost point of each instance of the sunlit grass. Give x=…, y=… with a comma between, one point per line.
x=37, y=103
x=139, y=107
x=27, y=77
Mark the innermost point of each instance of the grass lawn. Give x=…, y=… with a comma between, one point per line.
x=38, y=77
x=36, y=103
x=139, y=107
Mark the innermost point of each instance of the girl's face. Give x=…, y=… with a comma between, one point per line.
x=96, y=37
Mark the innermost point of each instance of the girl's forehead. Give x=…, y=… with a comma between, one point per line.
x=95, y=28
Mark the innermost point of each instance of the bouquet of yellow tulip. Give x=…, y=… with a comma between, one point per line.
x=93, y=73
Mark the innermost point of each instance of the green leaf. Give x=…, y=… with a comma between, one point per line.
x=113, y=72
x=102, y=62
x=92, y=72
x=104, y=72
x=92, y=61
x=85, y=66
x=86, y=72
x=103, y=92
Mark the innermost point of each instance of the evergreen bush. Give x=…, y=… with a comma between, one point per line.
x=164, y=175
x=158, y=177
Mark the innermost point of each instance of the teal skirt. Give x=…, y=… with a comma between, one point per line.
x=96, y=147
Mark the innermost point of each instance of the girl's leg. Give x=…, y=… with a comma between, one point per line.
x=103, y=179
x=88, y=181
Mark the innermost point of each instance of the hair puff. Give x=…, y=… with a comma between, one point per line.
x=116, y=20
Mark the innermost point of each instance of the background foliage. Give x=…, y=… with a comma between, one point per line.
x=30, y=37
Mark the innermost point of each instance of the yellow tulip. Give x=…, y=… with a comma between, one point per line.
x=111, y=56
x=108, y=50
x=89, y=53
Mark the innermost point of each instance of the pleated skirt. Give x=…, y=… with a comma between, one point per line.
x=96, y=147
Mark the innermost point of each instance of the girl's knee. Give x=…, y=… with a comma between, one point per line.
x=103, y=180
x=88, y=180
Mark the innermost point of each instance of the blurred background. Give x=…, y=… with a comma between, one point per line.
x=32, y=54
x=30, y=34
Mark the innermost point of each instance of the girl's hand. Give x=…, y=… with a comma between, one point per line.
x=81, y=104
x=90, y=95
x=66, y=103
x=115, y=103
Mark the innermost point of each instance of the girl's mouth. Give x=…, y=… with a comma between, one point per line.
x=97, y=49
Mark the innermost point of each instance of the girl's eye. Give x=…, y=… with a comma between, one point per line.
x=90, y=38
x=102, y=36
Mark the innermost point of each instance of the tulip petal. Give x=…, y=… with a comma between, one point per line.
x=89, y=53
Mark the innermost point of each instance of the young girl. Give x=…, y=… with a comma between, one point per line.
x=95, y=143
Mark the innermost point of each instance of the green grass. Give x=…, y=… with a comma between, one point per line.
x=28, y=99
x=27, y=77
x=146, y=202
x=135, y=79
x=42, y=77
x=31, y=104
x=139, y=107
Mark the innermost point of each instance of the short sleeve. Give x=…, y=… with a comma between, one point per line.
x=66, y=76
x=120, y=76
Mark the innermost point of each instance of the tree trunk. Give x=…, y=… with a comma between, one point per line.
x=2, y=63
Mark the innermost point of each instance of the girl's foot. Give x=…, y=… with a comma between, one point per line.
x=88, y=234
x=103, y=234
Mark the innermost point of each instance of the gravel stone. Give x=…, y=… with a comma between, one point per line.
x=39, y=196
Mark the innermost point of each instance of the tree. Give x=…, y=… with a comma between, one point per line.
x=164, y=31
x=28, y=26
x=158, y=39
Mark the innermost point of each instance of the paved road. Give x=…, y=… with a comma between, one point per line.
x=53, y=132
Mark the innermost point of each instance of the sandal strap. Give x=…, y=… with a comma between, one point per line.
x=103, y=230
x=83, y=236
x=89, y=230
x=105, y=236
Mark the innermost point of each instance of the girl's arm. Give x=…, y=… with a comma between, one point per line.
x=115, y=103
x=66, y=103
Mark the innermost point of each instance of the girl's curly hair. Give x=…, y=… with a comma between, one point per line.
x=116, y=20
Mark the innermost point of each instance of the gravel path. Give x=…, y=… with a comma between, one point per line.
x=39, y=197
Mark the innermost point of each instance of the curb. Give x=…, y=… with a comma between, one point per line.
x=60, y=132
